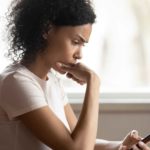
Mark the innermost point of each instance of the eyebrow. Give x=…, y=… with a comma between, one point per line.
x=82, y=38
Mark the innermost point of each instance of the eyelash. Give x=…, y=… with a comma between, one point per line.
x=76, y=42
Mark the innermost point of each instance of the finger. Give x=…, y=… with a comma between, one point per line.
x=60, y=68
x=64, y=66
x=134, y=147
x=77, y=80
x=69, y=75
x=131, y=138
x=135, y=136
x=71, y=68
x=122, y=147
x=143, y=146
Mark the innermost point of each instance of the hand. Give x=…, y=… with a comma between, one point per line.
x=131, y=139
x=78, y=72
x=133, y=142
x=143, y=146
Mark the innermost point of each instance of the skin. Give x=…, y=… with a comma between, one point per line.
x=131, y=139
x=62, y=53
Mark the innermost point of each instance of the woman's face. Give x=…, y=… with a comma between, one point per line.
x=65, y=44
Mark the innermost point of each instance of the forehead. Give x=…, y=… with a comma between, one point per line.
x=83, y=30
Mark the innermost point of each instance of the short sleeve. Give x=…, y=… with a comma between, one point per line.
x=20, y=95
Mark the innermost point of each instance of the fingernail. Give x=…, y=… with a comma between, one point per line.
x=134, y=132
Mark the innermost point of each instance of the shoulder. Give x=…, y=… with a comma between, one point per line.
x=20, y=92
x=17, y=80
x=14, y=74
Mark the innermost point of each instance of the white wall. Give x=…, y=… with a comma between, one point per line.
x=119, y=113
x=116, y=120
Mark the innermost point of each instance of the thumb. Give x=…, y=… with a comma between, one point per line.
x=63, y=68
x=123, y=147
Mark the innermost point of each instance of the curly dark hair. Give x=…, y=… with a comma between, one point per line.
x=29, y=19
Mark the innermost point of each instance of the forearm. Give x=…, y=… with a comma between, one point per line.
x=86, y=129
x=107, y=145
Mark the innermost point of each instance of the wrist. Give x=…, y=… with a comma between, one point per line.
x=93, y=78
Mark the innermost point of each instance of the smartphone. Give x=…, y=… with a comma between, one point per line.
x=146, y=139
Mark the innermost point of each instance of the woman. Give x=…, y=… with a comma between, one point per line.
x=46, y=35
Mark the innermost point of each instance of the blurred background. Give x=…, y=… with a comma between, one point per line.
x=119, y=47
x=119, y=51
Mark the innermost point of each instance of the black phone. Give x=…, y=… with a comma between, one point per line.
x=146, y=139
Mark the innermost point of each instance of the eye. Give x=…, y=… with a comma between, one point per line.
x=78, y=42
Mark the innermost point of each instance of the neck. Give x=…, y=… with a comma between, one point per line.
x=38, y=67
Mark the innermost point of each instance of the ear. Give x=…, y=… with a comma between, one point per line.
x=47, y=33
x=45, y=36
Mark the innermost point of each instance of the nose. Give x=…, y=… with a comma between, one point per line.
x=78, y=55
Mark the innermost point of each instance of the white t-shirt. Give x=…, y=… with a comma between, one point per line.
x=21, y=91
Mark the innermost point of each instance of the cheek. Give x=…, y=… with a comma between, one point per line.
x=66, y=54
x=67, y=49
x=62, y=51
